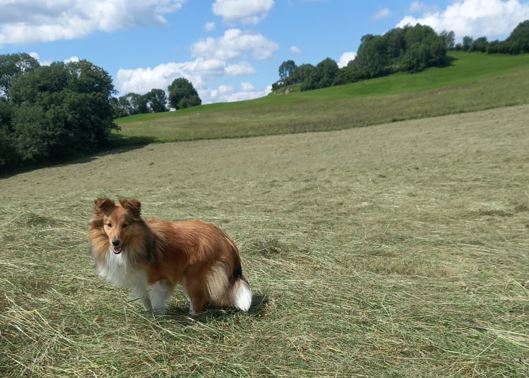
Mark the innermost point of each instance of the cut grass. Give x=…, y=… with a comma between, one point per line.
x=393, y=250
x=473, y=82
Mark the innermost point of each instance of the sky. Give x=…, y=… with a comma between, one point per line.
x=229, y=49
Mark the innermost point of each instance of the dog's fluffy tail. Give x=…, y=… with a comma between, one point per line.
x=241, y=294
x=225, y=291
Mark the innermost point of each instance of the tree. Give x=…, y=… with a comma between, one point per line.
x=117, y=109
x=35, y=137
x=138, y=103
x=396, y=44
x=322, y=76
x=182, y=94
x=519, y=38
x=156, y=100
x=127, y=104
x=424, y=49
x=12, y=65
x=494, y=47
x=372, y=57
x=449, y=39
x=61, y=109
x=188, y=102
x=467, y=43
x=348, y=74
x=480, y=44
x=286, y=69
x=8, y=155
x=302, y=73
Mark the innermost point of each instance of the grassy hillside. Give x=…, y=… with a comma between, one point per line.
x=473, y=82
x=392, y=250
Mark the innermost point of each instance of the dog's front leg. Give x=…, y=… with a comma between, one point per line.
x=158, y=295
x=143, y=294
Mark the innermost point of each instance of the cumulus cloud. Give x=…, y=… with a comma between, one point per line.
x=34, y=55
x=199, y=72
x=381, y=14
x=475, y=18
x=234, y=44
x=239, y=69
x=47, y=62
x=32, y=21
x=244, y=11
x=214, y=58
x=226, y=93
x=72, y=59
x=295, y=50
x=346, y=58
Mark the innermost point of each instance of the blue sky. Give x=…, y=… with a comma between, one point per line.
x=229, y=49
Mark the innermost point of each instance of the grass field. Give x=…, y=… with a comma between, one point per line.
x=393, y=250
x=473, y=82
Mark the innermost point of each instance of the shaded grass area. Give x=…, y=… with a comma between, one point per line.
x=398, y=249
x=473, y=82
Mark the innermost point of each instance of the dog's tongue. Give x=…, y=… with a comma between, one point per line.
x=117, y=250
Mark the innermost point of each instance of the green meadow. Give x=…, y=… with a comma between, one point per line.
x=399, y=249
x=473, y=82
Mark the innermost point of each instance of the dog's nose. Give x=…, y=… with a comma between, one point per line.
x=115, y=242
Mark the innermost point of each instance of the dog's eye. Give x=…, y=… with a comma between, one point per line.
x=109, y=225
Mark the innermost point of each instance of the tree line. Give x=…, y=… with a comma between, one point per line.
x=48, y=113
x=516, y=43
x=407, y=49
x=181, y=92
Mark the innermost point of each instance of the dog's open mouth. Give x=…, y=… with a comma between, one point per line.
x=117, y=250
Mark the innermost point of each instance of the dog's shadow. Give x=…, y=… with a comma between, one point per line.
x=181, y=314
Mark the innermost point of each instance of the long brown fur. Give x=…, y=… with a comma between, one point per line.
x=197, y=254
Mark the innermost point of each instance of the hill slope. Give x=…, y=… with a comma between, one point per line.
x=474, y=82
x=393, y=250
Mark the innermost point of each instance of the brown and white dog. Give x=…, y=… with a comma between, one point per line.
x=151, y=256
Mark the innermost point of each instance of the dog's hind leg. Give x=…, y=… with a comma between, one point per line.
x=159, y=294
x=197, y=296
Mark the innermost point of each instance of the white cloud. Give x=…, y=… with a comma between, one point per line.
x=234, y=44
x=199, y=72
x=210, y=26
x=214, y=58
x=346, y=58
x=226, y=93
x=381, y=14
x=244, y=11
x=245, y=86
x=33, y=21
x=71, y=59
x=34, y=55
x=295, y=50
x=239, y=69
x=47, y=62
x=475, y=18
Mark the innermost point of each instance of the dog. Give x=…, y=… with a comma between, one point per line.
x=151, y=256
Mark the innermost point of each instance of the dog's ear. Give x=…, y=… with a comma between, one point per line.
x=133, y=205
x=103, y=206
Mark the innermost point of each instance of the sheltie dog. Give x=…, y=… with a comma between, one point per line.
x=151, y=256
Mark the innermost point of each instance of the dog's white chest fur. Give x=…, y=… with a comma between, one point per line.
x=119, y=273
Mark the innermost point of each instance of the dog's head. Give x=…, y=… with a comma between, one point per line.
x=119, y=220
